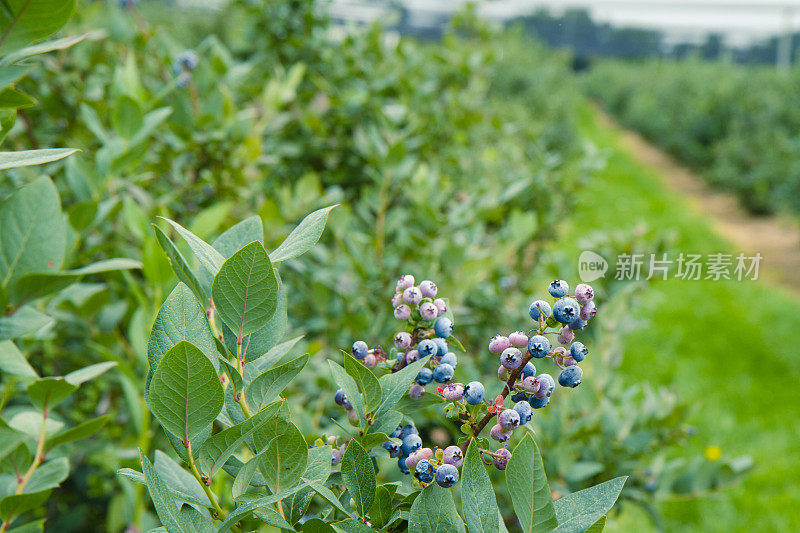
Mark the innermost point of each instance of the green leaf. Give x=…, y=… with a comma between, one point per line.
x=266, y=387
x=13, y=362
x=303, y=237
x=285, y=459
x=181, y=318
x=37, y=526
x=126, y=117
x=17, y=504
x=381, y=509
x=262, y=364
x=328, y=495
x=315, y=525
x=480, y=506
x=26, y=158
x=11, y=73
x=9, y=439
x=433, y=511
x=246, y=509
x=34, y=234
x=210, y=259
x=318, y=469
x=351, y=525
x=239, y=235
x=24, y=321
x=598, y=526
x=11, y=98
x=82, y=375
x=259, y=343
x=185, y=393
x=38, y=284
x=81, y=431
x=216, y=450
x=358, y=475
x=366, y=381
x=580, y=510
x=180, y=266
x=349, y=386
x=386, y=423
x=42, y=48
x=163, y=500
x=179, y=481
x=46, y=393
x=48, y=475
x=232, y=372
x=241, y=481
x=396, y=384
x=370, y=440
x=527, y=485
x=245, y=290
x=25, y=21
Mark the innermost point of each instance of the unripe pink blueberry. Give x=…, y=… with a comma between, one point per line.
x=424, y=453
x=502, y=373
x=405, y=282
x=508, y=419
x=518, y=339
x=397, y=299
x=499, y=434
x=565, y=335
x=453, y=392
x=500, y=459
x=441, y=306
x=402, y=312
x=511, y=358
x=331, y=440
x=416, y=391
x=412, y=295
x=530, y=384
x=568, y=361
x=402, y=340
x=428, y=311
x=498, y=343
x=428, y=289
x=453, y=456
x=584, y=293
x=588, y=310
x=336, y=457
x=412, y=356
x=370, y=361
x=559, y=354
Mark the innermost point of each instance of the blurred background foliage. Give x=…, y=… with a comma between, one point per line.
x=457, y=160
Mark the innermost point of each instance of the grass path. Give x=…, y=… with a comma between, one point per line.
x=729, y=347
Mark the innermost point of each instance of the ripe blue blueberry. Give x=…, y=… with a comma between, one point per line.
x=407, y=430
x=528, y=370
x=500, y=459
x=449, y=358
x=411, y=443
x=452, y=456
x=578, y=351
x=424, y=471
x=558, y=288
x=566, y=310
x=427, y=348
x=538, y=403
x=511, y=358
x=474, y=392
x=443, y=327
x=396, y=433
x=392, y=448
x=519, y=396
x=441, y=345
x=577, y=324
x=539, y=346
x=360, y=349
x=342, y=400
x=446, y=475
x=539, y=309
x=508, y=419
x=443, y=373
x=401, y=463
x=523, y=409
x=570, y=376
x=425, y=376
x=416, y=391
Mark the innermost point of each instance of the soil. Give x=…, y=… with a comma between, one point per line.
x=777, y=238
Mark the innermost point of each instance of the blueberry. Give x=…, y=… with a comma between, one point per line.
x=443, y=373
x=441, y=306
x=401, y=463
x=449, y=358
x=428, y=311
x=539, y=309
x=446, y=476
x=416, y=391
x=342, y=400
x=428, y=289
x=441, y=345
x=577, y=324
x=412, y=295
x=360, y=349
x=584, y=293
x=427, y=348
x=531, y=384
x=474, y=392
x=407, y=430
x=425, y=376
x=511, y=358
x=500, y=459
x=565, y=335
x=528, y=370
x=578, y=351
x=453, y=392
x=518, y=339
x=452, y=456
x=508, y=419
x=566, y=310
x=392, y=448
x=370, y=361
x=523, y=409
x=498, y=343
x=443, y=327
x=336, y=457
x=546, y=385
x=499, y=434
x=405, y=282
x=539, y=346
x=411, y=443
x=538, y=403
x=519, y=396
x=396, y=433
x=502, y=373
x=411, y=356
x=424, y=471
x=570, y=376
x=588, y=310
x=397, y=299
x=558, y=288
x=187, y=60
x=402, y=312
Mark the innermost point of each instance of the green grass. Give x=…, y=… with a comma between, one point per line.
x=730, y=348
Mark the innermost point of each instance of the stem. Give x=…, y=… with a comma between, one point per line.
x=200, y=479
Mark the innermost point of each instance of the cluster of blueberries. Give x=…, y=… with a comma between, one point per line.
x=183, y=66
x=428, y=464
